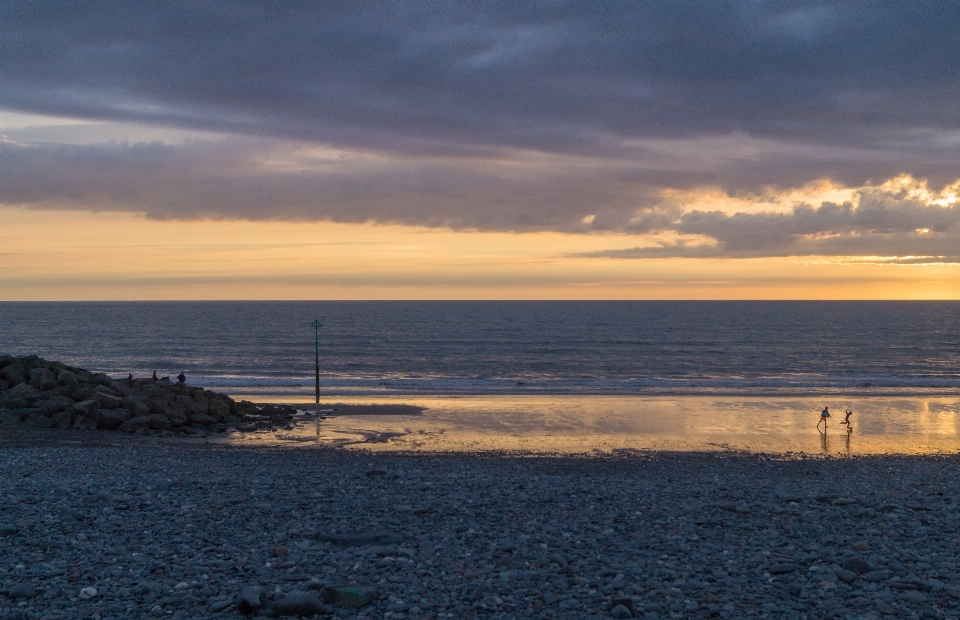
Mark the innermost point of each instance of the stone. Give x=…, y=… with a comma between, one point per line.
x=353, y=597
x=159, y=422
x=135, y=406
x=107, y=401
x=248, y=601
x=857, y=565
x=43, y=379
x=621, y=612
x=8, y=529
x=783, y=568
x=84, y=424
x=112, y=418
x=279, y=551
x=67, y=379
x=846, y=576
x=49, y=406
x=135, y=424
x=876, y=576
x=87, y=593
x=87, y=408
x=38, y=420
x=299, y=603
x=861, y=545
x=218, y=409
x=22, y=590
x=175, y=413
x=914, y=597
x=13, y=374
x=201, y=418
x=62, y=419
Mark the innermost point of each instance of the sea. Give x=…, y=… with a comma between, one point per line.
x=268, y=349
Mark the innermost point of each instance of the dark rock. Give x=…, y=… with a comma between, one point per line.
x=783, y=568
x=8, y=529
x=49, y=406
x=298, y=603
x=136, y=407
x=353, y=597
x=857, y=565
x=84, y=424
x=43, y=378
x=914, y=597
x=13, y=373
x=357, y=539
x=876, y=576
x=107, y=401
x=62, y=419
x=620, y=612
x=87, y=408
x=159, y=422
x=201, y=418
x=846, y=576
x=902, y=585
x=112, y=418
x=248, y=602
x=39, y=420
x=218, y=409
x=22, y=590
x=67, y=379
x=279, y=551
x=135, y=424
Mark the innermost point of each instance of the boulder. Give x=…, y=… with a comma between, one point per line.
x=135, y=424
x=173, y=412
x=13, y=373
x=87, y=408
x=201, y=418
x=218, y=409
x=38, y=420
x=298, y=603
x=67, y=379
x=49, y=406
x=107, y=401
x=160, y=422
x=111, y=419
x=137, y=407
x=23, y=391
x=83, y=424
x=43, y=378
x=62, y=419
x=101, y=379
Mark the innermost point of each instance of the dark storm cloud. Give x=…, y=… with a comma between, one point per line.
x=619, y=100
x=548, y=76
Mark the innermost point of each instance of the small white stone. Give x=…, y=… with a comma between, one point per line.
x=88, y=593
x=181, y=585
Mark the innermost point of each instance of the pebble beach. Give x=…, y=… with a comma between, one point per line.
x=127, y=526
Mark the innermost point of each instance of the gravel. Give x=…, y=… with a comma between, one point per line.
x=172, y=530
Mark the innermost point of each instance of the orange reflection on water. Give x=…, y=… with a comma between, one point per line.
x=589, y=424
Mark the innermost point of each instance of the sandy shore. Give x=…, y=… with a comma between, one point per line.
x=173, y=528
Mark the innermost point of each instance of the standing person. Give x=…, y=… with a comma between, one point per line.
x=823, y=418
x=181, y=378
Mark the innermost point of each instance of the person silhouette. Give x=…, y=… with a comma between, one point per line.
x=155, y=376
x=181, y=378
x=846, y=420
x=824, y=415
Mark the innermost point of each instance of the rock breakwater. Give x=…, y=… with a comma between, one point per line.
x=48, y=394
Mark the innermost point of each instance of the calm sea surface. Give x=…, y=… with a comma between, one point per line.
x=506, y=348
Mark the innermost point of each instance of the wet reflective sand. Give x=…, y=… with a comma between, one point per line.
x=572, y=424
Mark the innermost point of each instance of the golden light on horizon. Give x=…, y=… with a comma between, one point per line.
x=63, y=255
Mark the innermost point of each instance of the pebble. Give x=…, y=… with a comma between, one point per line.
x=87, y=593
x=172, y=531
x=22, y=590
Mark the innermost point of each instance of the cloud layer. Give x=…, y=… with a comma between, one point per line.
x=498, y=116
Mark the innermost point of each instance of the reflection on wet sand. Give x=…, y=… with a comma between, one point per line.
x=589, y=424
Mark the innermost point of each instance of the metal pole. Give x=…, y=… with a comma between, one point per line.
x=316, y=325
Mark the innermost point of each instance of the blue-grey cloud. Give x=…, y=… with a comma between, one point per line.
x=878, y=223
x=619, y=100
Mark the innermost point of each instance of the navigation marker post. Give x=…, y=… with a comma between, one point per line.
x=316, y=325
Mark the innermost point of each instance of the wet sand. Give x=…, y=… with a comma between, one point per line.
x=607, y=424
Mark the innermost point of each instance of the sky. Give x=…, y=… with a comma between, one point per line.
x=481, y=150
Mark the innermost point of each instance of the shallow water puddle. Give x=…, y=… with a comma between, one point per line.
x=578, y=424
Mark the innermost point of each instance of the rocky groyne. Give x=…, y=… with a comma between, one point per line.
x=48, y=394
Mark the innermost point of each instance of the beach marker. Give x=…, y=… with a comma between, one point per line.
x=316, y=325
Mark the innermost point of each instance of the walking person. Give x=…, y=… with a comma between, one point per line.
x=824, y=415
